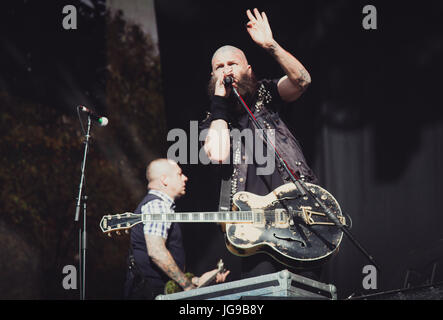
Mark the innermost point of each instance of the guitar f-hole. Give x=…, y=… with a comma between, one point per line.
x=302, y=243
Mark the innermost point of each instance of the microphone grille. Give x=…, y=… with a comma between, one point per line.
x=228, y=81
x=103, y=121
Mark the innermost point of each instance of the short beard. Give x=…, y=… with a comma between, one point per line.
x=246, y=86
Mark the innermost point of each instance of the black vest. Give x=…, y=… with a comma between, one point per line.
x=174, y=244
x=265, y=108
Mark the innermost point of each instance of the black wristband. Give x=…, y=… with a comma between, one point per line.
x=220, y=108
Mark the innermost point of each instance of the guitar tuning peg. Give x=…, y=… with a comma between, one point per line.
x=118, y=233
x=126, y=231
x=109, y=235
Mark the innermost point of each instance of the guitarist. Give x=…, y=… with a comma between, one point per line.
x=156, y=248
x=266, y=99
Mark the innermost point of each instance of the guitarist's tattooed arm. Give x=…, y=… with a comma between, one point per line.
x=162, y=258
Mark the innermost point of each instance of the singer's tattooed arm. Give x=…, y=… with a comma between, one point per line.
x=297, y=79
x=162, y=258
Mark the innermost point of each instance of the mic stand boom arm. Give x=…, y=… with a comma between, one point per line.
x=300, y=185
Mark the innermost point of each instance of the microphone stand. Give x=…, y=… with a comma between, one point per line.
x=82, y=232
x=300, y=184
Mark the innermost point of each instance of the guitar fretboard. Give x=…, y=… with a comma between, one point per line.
x=228, y=216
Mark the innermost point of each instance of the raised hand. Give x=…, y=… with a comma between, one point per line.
x=259, y=29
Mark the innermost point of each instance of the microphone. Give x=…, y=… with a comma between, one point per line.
x=228, y=81
x=102, y=121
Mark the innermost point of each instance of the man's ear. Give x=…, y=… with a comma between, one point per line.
x=164, y=179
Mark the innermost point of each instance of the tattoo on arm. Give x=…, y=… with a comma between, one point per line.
x=272, y=49
x=163, y=259
x=304, y=78
x=291, y=65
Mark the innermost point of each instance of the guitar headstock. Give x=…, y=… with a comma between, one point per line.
x=119, y=222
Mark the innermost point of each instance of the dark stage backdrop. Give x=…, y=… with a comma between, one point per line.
x=370, y=123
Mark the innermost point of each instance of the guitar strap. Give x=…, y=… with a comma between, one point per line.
x=224, y=203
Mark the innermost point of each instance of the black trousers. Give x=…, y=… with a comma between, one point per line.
x=140, y=288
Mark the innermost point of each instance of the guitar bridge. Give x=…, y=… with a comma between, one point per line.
x=307, y=214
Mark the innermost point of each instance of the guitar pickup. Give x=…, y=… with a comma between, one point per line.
x=281, y=218
x=259, y=217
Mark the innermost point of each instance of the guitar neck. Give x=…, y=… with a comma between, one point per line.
x=221, y=217
x=257, y=216
x=209, y=280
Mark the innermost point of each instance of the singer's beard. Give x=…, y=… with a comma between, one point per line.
x=246, y=87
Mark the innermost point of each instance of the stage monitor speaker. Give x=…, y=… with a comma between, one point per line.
x=276, y=286
x=427, y=292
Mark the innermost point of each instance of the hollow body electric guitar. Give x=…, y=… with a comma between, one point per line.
x=293, y=229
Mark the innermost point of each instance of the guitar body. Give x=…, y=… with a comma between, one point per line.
x=296, y=244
